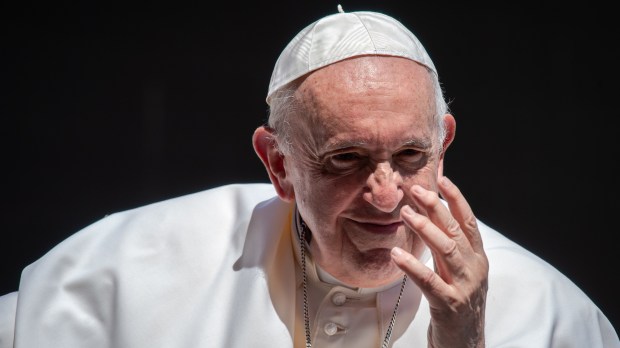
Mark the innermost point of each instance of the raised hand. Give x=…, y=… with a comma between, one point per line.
x=457, y=287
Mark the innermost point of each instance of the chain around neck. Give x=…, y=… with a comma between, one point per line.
x=302, y=241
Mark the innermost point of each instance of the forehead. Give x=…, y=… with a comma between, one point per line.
x=372, y=99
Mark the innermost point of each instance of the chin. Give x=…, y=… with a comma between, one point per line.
x=377, y=265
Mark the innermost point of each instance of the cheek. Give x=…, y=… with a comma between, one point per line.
x=324, y=199
x=323, y=194
x=426, y=177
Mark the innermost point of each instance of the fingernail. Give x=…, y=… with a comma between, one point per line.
x=397, y=252
x=407, y=210
x=444, y=181
x=417, y=189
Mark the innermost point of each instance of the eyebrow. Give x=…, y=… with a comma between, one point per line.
x=345, y=144
x=422, y=144
x=339, y=145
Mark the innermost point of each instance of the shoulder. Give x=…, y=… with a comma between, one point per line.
x=532, y=302
x=233, y=198
x=190, y=212
x=133, y=267
x=166, y=230
x=510, y=262
x=517, y=272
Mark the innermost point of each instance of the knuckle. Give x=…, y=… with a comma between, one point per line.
x=453, y=228
x=449, y=248
x=428, y=279
x=470, y=222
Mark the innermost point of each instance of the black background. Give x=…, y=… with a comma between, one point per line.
x=107, y=107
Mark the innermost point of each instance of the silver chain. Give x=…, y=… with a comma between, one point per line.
x=302, y=240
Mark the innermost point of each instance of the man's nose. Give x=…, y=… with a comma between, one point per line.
x=385, y=188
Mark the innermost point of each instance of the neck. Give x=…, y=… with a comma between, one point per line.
x=369, y=271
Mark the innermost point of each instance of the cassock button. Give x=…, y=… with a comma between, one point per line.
x=330, y=329
x=339, y=299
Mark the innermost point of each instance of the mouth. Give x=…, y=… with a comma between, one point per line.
x=379, y=227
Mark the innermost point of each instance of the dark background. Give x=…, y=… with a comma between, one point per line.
x=106, y=108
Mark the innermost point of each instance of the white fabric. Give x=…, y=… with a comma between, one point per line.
x=8, y=306
x=341, y=36
x=216, y=269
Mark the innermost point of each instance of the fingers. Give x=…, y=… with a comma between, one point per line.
x=446, y=249
x=450, y=232
x=456, y=222
x=461, y=211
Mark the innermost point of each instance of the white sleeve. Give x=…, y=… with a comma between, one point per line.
x=8, y=306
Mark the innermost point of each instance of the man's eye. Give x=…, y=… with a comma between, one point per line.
x=345, y=157
x=409, y=156
x=345, y=161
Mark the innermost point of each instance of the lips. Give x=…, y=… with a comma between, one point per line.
x=379, y=227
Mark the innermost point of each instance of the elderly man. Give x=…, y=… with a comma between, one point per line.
x=351, y=245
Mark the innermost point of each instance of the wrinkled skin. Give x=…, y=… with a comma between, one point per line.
x=365, y=168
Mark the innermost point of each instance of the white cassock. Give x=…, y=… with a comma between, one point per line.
x=219, y=268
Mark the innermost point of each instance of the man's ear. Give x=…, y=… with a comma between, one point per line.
x=450, y=128
x=267, y=150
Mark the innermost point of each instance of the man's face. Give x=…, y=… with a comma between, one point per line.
x=365, y=134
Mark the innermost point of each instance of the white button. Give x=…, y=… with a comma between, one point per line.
x=339, y=299
x=330, y=329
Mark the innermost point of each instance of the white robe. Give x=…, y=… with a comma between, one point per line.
x=216, y=269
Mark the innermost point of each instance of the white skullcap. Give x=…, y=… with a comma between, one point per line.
x=344, y=35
